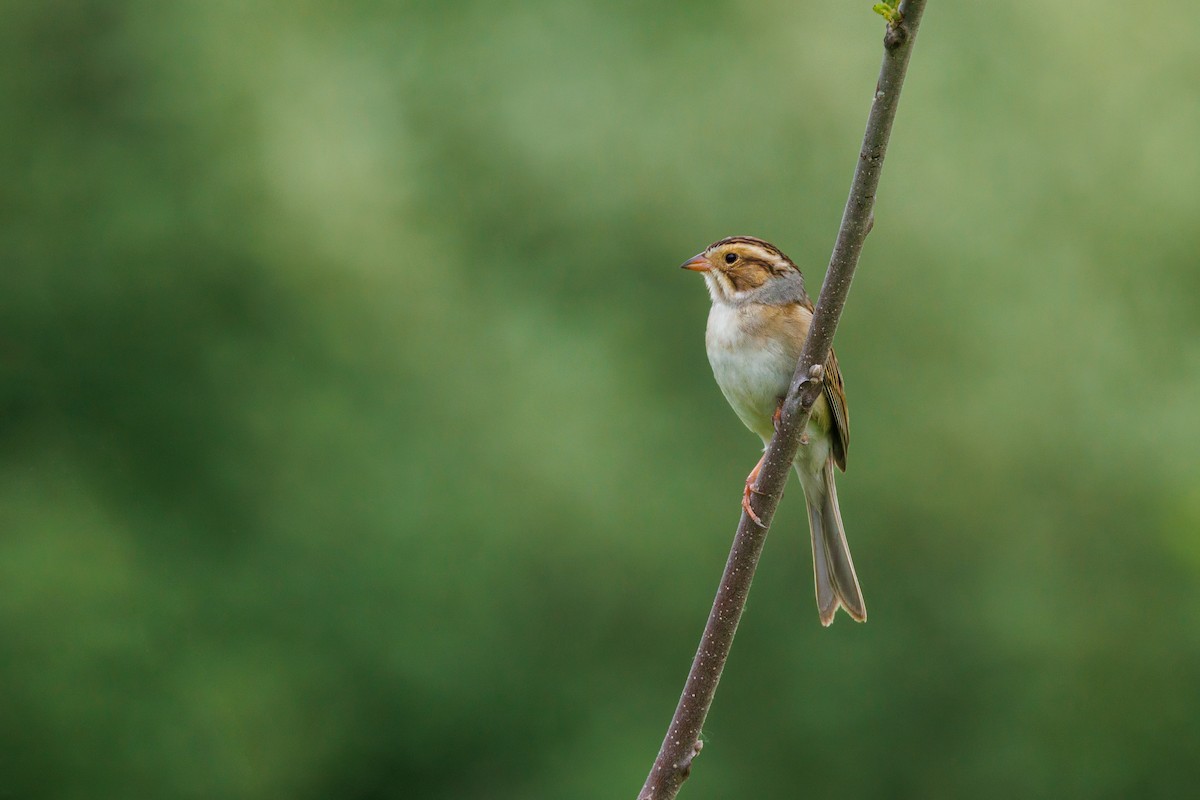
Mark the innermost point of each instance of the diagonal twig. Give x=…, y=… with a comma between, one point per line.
x=682, y=742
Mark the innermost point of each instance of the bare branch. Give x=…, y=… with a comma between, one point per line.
x=682, y=743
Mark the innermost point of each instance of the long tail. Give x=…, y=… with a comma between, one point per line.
x=832, y=566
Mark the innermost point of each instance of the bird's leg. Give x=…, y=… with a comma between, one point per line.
x=753, y=476
x=750, y=479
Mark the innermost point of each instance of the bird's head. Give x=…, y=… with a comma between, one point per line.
x=745, y=269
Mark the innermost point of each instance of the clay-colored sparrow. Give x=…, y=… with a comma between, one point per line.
x=756, y=330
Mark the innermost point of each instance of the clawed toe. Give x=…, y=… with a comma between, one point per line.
x=746, y=506
x=750, y=479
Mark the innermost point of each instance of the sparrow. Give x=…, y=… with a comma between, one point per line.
x=757, y=325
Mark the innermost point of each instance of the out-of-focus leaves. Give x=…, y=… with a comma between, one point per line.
x=358, y=438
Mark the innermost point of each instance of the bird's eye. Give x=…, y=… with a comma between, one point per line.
x=730, y=258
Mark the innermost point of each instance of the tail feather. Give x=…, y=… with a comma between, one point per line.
x=833, y=568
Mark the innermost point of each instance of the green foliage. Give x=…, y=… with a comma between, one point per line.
x=359, y=442
x=888, y=10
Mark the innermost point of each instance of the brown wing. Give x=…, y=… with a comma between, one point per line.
x=835, y=395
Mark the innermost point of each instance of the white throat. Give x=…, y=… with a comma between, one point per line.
x=720, y=288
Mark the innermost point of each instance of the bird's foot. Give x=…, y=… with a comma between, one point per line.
x=746, y=506
x=750, y=479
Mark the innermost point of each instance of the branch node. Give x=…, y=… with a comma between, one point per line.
x=896, y=35
x=685, y=766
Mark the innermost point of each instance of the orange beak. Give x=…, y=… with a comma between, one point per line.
x=697, y=264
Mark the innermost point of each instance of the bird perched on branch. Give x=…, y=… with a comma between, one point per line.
x=756, y=329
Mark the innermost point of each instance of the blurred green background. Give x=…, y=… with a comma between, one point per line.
x=358, y=439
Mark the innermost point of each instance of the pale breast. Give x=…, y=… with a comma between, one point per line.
x=752, y=368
